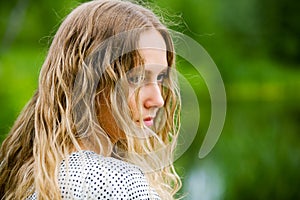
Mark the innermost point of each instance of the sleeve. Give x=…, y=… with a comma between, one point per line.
x=138, y=186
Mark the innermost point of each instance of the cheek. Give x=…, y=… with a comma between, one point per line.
x=132, y=102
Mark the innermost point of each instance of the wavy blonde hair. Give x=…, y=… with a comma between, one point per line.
x=87, y=64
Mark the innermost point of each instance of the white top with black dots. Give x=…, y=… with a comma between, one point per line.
x=91, y=176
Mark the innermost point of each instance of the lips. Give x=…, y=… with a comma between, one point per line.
x=148, y=121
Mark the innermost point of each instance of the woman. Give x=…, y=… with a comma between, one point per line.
x=103, y=122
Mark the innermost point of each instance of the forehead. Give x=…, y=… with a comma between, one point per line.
x=152, y=39
x=152, y=48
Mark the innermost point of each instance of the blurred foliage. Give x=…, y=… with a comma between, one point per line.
x=256, y=46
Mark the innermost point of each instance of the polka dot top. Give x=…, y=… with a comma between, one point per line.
x=87, y=175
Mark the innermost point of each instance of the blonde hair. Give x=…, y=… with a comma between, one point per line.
x=87, y=62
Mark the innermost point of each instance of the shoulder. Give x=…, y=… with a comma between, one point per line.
x=93, y=162
x=86, y=174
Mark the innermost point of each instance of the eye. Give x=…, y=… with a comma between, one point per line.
x=162, y=76
x=135, y=78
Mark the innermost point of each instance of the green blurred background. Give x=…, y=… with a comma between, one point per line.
x=254, y=43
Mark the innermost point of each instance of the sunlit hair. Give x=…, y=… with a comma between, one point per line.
x=87, y=64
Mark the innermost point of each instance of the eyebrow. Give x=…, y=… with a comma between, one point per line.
x=150, y=72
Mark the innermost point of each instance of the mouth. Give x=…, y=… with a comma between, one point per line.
x=148, y=121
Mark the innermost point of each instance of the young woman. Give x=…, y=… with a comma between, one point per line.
x=104, y=120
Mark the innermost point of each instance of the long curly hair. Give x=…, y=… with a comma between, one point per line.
x=93, y=49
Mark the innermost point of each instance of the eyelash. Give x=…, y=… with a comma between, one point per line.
x=136, y=79
x=161, y=77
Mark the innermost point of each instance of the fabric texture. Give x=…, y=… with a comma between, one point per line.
x=87, y=175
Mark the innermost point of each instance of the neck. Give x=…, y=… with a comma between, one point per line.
x=102, y=145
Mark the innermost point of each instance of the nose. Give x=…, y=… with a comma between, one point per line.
x=152, y=96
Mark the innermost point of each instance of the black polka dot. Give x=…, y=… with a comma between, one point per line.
x=87, y=175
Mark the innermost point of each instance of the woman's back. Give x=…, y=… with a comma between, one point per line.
x=92, y=176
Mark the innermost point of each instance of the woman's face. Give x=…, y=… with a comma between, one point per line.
x=145, y=103
x=145, y=97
